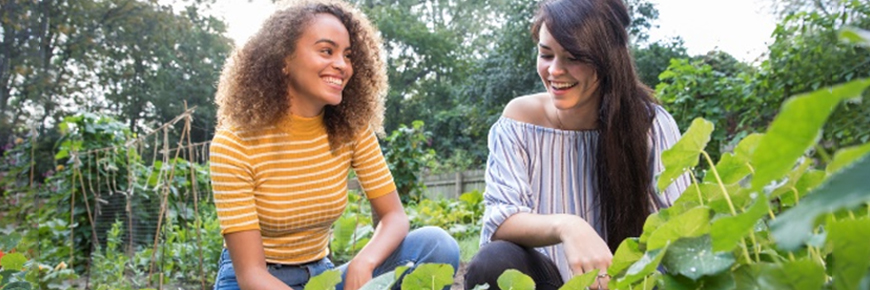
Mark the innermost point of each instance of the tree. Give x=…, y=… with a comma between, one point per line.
x=655, y=58
x=806, y=55
x=135, y=60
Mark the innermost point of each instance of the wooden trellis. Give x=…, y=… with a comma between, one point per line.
x=164, y=178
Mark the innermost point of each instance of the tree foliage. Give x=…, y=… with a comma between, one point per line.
x=135, y=60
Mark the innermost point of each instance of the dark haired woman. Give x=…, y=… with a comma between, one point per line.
x=298, y=106
x=570, y=171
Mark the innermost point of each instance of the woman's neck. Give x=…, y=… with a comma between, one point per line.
x=584, y=117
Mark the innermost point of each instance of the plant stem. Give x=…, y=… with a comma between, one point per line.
x=728, y=199
x=719, y=180
x=695, y=182
x=822, y=153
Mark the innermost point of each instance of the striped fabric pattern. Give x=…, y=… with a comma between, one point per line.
x=542, y=170
x=286, y=183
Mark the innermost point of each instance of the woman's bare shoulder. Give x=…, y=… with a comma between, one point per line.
x=527, y=109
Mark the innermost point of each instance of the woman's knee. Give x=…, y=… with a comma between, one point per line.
x=494, y=257
x=442, y=247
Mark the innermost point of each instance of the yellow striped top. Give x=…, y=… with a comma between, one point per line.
x=286, y=183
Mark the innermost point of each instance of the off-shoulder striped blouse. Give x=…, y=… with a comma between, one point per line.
x=543, y=170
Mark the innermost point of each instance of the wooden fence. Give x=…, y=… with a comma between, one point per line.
x=448, y=185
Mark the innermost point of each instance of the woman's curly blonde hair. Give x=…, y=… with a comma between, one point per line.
x=252, y=92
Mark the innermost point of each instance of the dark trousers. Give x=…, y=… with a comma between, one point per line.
x=496, y=257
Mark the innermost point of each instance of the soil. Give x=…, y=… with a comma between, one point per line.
x=459, y=279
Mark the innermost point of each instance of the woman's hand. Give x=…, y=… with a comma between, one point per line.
x=358, y=274
x=584, y=248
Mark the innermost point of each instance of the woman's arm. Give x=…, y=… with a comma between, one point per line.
x=249, y=261
x=388, y=235
x=584, y=249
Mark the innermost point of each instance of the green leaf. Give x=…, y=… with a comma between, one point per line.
x=63, y=153
x=798, y=275
x=722, y=281
x=640, y=269
x=809, y=180
x=429, y=276
x=384, y=281
x=855, y=35
x=733, y=167
x=726, y=232
x=5, y=276
x=739, y=196
x=13, y=261
x=847, y=188
x=850, y=250
x=683, y=156
x=796, y=129
x=626, y=254
x=747, y=277
x=694, y=257
x=846, y=156
x=8, y=242
x=400, y=270
x=581, y=281
x=652, y=223
x=20, y=285
x=515, y=280
x=693, y=223
x=791, y=179
x=325, y=281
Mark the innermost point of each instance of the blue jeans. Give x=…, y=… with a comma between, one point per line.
x=423, y=245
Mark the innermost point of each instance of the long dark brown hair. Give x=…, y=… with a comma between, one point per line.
x=594, y=31
x=252, y=92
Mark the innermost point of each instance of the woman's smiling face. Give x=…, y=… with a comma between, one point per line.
x=320, y=67
x=570, y=82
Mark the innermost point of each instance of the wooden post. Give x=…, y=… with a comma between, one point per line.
x=458, y=184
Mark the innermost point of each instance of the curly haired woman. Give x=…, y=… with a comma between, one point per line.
x=298, y=107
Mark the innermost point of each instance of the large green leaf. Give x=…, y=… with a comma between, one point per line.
x=847, y=188
x=733, y=167
x=325, y=281
x=694, y=257
x=796, y=129
x=726, y=232
x=384, y=281
x=851, y=253
x=747, y=277
x=693, y=223
x=581, y=281
x=683, y=156
x=13, y=261
x=342, y=233
x=626, y=254
x=722, y=281
x=846, y=156
x=798, y=275
x=644, y=267
x=515, y=280
x=429, y=276
x=652, y=223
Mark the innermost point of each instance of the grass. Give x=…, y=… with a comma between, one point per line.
x=468, y=247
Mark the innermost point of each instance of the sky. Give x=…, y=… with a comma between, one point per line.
x=739, y=27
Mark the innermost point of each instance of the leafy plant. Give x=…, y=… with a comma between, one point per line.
x=762, y=218
x=406, y=158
